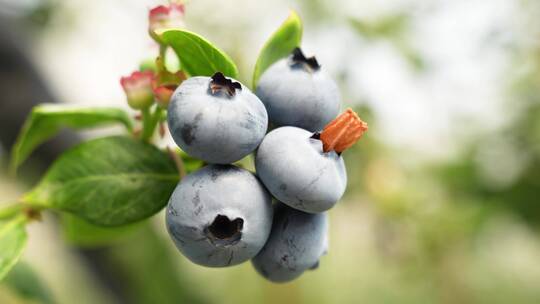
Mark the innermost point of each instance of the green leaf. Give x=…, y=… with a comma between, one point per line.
x=27, y=284
x=108, y=181
x=12, y=241
x=47, y=120
x=198, y=57
x=287, y=37
x=81, y=233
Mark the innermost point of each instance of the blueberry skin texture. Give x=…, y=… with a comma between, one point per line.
x=296, y=243
x=217, y=128
x=294, y=96
x=297, y=172
x=219, y=190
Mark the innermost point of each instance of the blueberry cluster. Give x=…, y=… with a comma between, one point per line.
x=223, y=215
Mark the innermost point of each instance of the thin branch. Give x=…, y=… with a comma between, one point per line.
x=178, y=161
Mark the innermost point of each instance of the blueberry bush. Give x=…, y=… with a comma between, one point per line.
x=218, y=213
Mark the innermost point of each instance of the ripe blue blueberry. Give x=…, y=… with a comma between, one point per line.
x=297, y=92
x=219, y=216
x=305, y=170
x=295, y=170
x=216, y=119
x=296, y=243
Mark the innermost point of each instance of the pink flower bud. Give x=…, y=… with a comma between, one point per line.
x=138, y=89
x=163, y=94
x=166, y=17
x=165, y=83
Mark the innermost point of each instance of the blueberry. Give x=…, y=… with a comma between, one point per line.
x=305, y=170
x=296, y=243
x=216, y=119
x=297, y=92
x=219, y=216
x=296, y=171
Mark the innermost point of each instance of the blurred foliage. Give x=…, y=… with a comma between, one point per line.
x=433, y=215
x=359, y=156
x=28, y=285
x=393, y=29
x=501, y=168
x=146, y=270
x=316, y=11
x=386, y=27
x=39, y=16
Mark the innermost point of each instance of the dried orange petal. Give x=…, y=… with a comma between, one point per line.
x=343, y=132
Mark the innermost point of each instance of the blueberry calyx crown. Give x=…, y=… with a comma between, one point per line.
x=224, y=231
x=219, y=82
x=299, y=57
x=342, y=132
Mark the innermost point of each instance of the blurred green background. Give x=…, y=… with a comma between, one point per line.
x=443, y=203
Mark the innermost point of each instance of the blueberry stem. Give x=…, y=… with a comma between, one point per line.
x=157, y=117
x=11, y=210
x=146, y=118
x=150, y=122
x=162, y=52
x=177, y=161
x=21, y=212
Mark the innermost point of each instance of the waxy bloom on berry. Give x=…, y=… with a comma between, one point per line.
x=138, y=89
x=216, y=119
x=165, y=17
